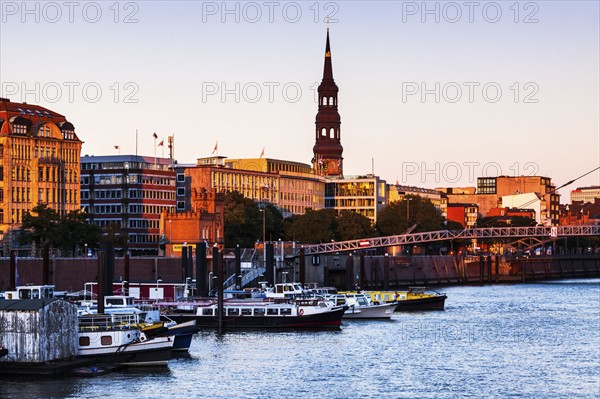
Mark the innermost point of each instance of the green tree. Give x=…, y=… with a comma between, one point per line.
x=314, y=226
x=39, y=226
x=352, y=226
x=73, y=232
x=398, y=216
x=242, y=219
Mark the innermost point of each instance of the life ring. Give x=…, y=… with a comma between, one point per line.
x=300, y=312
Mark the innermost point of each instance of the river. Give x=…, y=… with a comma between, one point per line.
x=499, y=341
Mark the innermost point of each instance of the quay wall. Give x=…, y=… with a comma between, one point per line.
x=342, y=271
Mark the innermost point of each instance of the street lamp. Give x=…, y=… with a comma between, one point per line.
x=123, y=286
x=284, y=275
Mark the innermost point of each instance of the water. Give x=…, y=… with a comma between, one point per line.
x=520, y=341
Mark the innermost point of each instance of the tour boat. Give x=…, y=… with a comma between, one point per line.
x=116, y=339
x=292, y=313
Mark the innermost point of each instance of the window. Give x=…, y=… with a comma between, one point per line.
x=180, y=177
x=246, y=312
x=207, y=312
x=233, y=312
x=259, y=312
x=106, y=340
x=272, y=312
x=180, y=205
x=180, y=191
x=84, y=341
x=286, y=311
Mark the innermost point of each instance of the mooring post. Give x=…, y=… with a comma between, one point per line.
x=497, y=267
x=481, y=267
x=201, y=270
x=386, y=272
x=126, y=274
x=13, y=271
x=362, y=271
x=218, y=267
x=302, y=266
x=184, y=259
x=238, y=267
x=101, y=281
x=270, y=264
x=46, y=263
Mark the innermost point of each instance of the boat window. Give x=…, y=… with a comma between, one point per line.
x=106, y=340
x=259, y=312
x=84, y=341
x=24, y=294
x=272, y=312
x=35, y=294
x=233, y=311
x=246, y=312
x=286, y=311
x=386, y=297
x=207, y=312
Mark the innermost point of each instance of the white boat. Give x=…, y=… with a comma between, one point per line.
x=251, y=313
x=116, y=339
x=359, y=307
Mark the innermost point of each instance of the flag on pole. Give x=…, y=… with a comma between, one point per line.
x=216, y=147
x=262, y=154
x=162, y=143
x=155, y=136
x=117, y=147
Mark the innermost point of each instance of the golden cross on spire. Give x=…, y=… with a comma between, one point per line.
x=327, y=18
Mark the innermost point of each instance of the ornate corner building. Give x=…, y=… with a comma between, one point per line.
x=39, y=163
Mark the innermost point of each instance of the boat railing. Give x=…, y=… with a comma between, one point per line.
x=108, y=321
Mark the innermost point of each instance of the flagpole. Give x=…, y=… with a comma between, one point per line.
x=136, y=142
x=155, y=160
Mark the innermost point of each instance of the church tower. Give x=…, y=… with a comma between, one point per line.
x=327, y=160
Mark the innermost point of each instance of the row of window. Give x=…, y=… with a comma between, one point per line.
x=132, y=194
x=124, y=165
x=213, y=311
x=126, y=178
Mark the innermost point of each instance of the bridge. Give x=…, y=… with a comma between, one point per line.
x=444, y=235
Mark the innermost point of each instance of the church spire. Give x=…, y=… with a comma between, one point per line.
x=328, y=149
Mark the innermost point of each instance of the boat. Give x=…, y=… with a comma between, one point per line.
x=360, y=307
x=415, y=299
x=115, y=338
x=314, y=313
x=182, y=333
x=150, y=321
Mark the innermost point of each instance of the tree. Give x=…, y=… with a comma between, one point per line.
x=398, y=216
x=352, y=226
x=242, y=219
x=73, y=232
x=39, y=226
x=314, y=226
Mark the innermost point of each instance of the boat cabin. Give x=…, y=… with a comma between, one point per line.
x=31, y=292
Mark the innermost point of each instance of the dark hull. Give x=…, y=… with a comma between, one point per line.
x=430, y=303
x=147, y=357
x=326, y=320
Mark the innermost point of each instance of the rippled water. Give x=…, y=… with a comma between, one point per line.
x=520, y=341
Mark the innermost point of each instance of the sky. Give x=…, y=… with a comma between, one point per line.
x=431, y=93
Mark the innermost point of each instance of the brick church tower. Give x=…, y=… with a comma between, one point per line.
x=328, y=160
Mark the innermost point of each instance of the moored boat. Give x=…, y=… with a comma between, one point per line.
x=360, y=307
x=415, y=299
x=114, y=338
x=292, y=314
